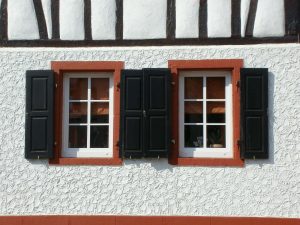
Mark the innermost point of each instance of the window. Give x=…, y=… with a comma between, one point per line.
x=87, y=113
x=205, y=112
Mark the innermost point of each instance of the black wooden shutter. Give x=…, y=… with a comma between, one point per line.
x=157, y=107
x=254, y=113
x=145, y=121
x=39, y=114
x=132, y=103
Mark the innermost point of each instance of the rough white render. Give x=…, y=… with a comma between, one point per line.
x=187, y=18
x=245, y=6
x=218, y=18
x=103, y=20
x=71, y=15
x=269, y=20
x=144, y=19
x=21, y=19
x=47, y=12
x=153, y=187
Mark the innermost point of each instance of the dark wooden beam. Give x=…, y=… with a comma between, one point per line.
x=203, y=19
x=40, y=19
x=171, y=19
x=154, y=42
x=235, y=18
x=251, y=18
x=3, y=20
x=55, y=19
x=292, y=17
x=87, y=20
x=119, y=18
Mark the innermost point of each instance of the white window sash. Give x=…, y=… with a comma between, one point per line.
x=87, y=152
x=205, y=152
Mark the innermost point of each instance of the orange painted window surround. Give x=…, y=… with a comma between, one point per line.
x=59, y=69
x=232, y=65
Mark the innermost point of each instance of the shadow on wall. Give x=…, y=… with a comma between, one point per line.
x=271, y=93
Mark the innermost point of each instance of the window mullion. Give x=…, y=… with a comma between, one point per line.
x=89, y=113
x=204, y=112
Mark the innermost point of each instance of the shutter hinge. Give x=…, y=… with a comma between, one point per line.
x=173, y=83
x=118, y=85
x=239, y=143
x=56, y=85
x=237, y=84
x=173, y=141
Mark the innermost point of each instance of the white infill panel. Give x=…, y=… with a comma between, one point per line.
x=47, y=12
x=187, y=18
x=245, y=4
x=103, y=19
x=22, y=22
x=144, y=19
x=269, y=20
x=219, y=18
x=71, y=14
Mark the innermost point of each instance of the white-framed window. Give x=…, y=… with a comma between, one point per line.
x=205, y=114
x=88, y=114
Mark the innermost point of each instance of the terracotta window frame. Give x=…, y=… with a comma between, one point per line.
x=233, y=65
x=62, y=67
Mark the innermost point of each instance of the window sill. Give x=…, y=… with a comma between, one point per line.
x=87, y=161
x=207, y=162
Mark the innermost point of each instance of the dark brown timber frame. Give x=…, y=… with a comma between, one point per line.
x=292, y=17
x=3, y=20
x=203, y=19
x=251, y=18
x=40, y=17
x=55, y=19
x=87, y=20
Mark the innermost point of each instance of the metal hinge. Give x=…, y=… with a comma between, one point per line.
x=56, y=85
x=237, y=84
x=238, y=142
x=173, y=83
x=173, y=141
x=118, y=85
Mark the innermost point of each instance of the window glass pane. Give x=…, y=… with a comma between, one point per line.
x=215, y=87
x=99, y=137
x=100, y=88
x=193, y=136
x=215, y=112
x=193, y=112
x=77, y=136
x=78, y=88
x=216, y=136
x=77, y=112
x=100, y=112
x=193, y=87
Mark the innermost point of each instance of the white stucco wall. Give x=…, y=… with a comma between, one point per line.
x=21, y=19
x=103, y=19
x=153, y=187
x=187, y=18
x=71, y=19
x=144, y=19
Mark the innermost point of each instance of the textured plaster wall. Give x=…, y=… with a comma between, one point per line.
x=153, y=187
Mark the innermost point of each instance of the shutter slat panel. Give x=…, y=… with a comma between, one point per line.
x=157, y=106
x=39, y=114
x=131, y=114
x=254, y=113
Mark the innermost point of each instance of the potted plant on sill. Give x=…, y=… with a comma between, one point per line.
x=215, y=138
